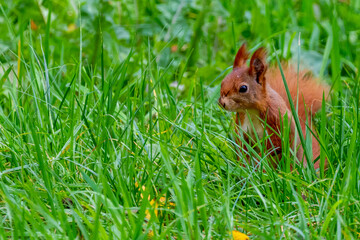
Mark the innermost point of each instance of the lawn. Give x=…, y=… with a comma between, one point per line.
x=110, y=127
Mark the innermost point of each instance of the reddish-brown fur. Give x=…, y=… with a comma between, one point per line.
x=266, y=97
x=310, y=96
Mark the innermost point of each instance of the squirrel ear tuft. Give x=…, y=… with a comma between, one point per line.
x=258, y=65
x=241, y=56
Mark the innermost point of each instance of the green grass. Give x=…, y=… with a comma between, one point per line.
x=110, y=128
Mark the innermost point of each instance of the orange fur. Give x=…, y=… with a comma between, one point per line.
x=261, y=91
x=309, y=94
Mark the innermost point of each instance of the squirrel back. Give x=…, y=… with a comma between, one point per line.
x=302, y=86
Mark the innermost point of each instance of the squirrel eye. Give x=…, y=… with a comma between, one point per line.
x=243, y=89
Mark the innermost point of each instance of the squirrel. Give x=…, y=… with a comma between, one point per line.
x=258, y=96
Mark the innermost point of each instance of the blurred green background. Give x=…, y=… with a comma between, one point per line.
x=211, y=30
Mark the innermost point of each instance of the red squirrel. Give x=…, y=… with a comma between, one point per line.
x=258, y=93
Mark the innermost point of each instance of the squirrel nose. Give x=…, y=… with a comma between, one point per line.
x=221, y=103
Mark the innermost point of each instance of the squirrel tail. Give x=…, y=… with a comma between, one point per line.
x=302, y=86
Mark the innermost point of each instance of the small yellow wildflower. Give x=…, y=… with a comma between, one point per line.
x=153, y=204
x=150, y=235
x=239, y=236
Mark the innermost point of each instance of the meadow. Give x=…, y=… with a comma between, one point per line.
x=110, y=127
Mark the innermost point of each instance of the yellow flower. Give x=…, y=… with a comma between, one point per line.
x=239, y=236
x=150, y=235
x=153, y=204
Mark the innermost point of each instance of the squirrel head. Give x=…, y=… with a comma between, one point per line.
x=245, y=87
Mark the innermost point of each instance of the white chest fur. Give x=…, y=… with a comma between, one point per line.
x=252, y=123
